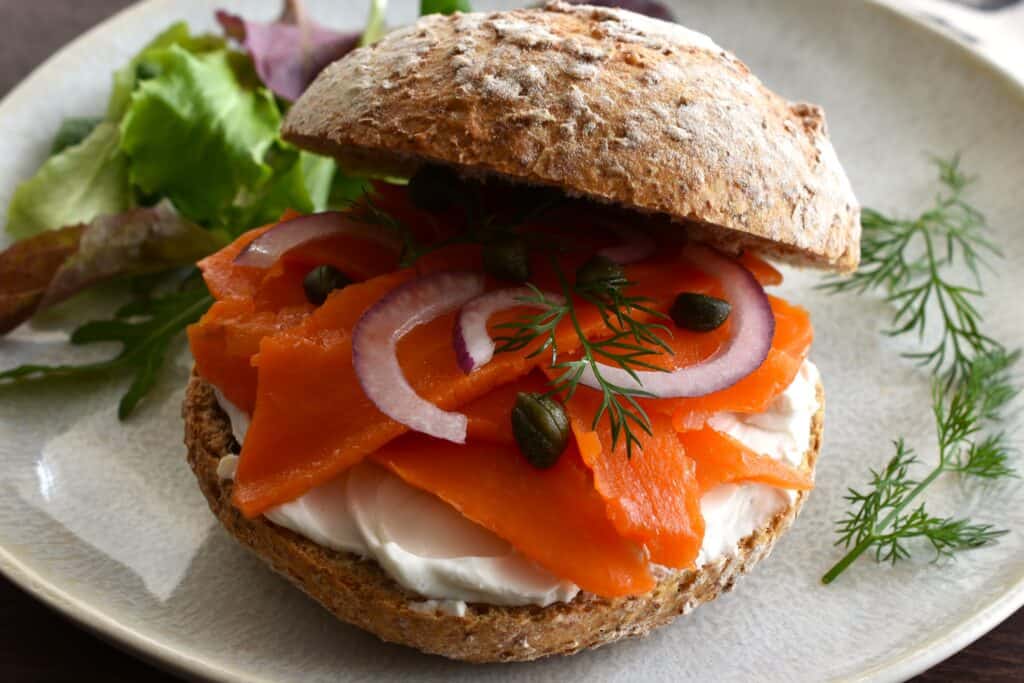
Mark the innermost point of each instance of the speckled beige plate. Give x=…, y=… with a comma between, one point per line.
x=103, y=520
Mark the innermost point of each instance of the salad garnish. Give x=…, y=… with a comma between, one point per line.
x=117, y=198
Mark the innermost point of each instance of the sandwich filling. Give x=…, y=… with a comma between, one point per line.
x=427, y=547
x=505, y=396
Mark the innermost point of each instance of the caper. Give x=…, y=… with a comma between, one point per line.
x=600, y=272
x=699, y=312
x=541, y=428
x=507, y=258
x=434, y=188
x=321, y=281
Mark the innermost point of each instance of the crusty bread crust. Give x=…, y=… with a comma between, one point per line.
x=360, y=593
x=601, y=103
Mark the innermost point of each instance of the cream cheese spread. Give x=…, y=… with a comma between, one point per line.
x=429, y=548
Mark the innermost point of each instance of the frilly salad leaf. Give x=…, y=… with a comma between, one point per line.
x=444, y=6
x=82, y=182
x=197, y=133
x=303, y=184
x=44, y=270
x=290, y=52
x=142, y=65
x=87, y=174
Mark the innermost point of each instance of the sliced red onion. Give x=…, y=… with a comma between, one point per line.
x=473, y=344
x=636, y=246
x=265, y=250
x=752, y=329
x=375, y=339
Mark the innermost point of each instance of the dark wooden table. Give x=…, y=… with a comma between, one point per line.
x=38, y=645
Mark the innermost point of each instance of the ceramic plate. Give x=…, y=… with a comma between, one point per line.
x=104, y=521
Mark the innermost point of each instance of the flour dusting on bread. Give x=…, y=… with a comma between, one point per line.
x=604, y=104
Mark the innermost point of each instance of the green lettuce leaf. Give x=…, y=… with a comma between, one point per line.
x=142, y=65
x=198, y=132
x=444, y=6
x=82, y=182
x=302, y=182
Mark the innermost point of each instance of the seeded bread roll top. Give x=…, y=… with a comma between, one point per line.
x=604, y=104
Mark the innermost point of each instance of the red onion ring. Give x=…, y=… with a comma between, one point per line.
x=752, y=329
x=265, y=250
x=636, y=246
x=473, y=344
x=375, y=338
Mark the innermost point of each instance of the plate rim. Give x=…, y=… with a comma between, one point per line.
x=178, y=660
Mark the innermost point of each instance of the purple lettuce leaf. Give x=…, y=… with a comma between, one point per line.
x=290, y=52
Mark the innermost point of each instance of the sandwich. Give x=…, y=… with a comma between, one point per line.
x=528, y=395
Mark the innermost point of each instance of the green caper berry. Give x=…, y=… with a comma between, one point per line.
x=699, y=312
x=146, y=70
x=321, y=281
x=541, y=428
x=600, y=271
x=507, y=259
x=434, y=188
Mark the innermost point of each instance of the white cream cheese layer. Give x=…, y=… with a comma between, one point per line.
x=429, y=548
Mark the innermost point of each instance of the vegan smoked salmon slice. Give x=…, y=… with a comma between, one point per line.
x=312, y=420
x=552, y=516
x=723, y=460
x=651, y=496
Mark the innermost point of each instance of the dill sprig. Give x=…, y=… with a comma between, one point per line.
x=910, y=260
x=631, y=342
x=880, y=519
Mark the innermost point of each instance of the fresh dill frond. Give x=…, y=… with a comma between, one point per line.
x=879, y=520
x=631, y=343
x=945, y=534
x=910, y=262
x=986, y=459
x=887, y=491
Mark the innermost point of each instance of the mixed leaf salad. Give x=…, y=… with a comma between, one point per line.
x=188, y=156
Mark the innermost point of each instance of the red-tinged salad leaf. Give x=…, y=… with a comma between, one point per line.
x=44, y=270
x=26, y=270
x=650, y=8
x=290, y=52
